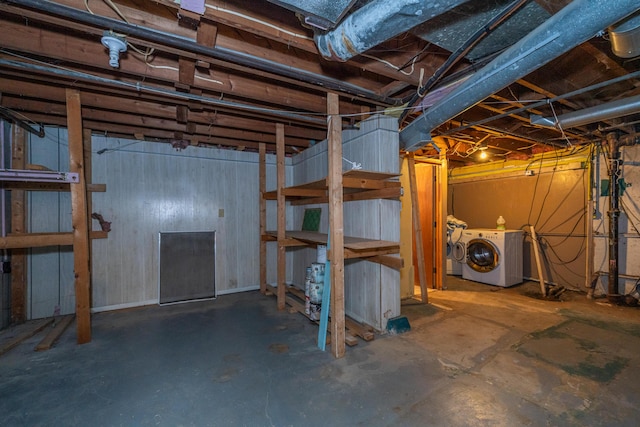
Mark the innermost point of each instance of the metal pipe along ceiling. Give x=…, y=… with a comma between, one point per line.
x=189, y=45
x=610, y=110
x=574, y=24
x=76, y=75
x=377, y=22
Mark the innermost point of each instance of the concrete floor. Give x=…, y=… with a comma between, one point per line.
x=478, y=355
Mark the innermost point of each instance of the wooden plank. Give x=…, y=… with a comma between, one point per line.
x=88, y=178
x=19, y=226
x=304, y=192
x=336, y=225
x=282, y=219
x=298, y=307
x=390, y=261
x=356, y=244
x=349, y=254
x=186, y=70
x=35, y=240
x=262, y=178
x=441, y=222
x=13, y=337
x=369, y=175
x=369, y=184
x=417, y=228
x=49, y=186
x=207, y=33
x=55, y=333
x=349, y=196
x=363, y=331
x=79, y=218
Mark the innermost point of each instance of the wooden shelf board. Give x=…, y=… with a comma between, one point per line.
x=357, y=245
x=49, y=186
x=354, y=181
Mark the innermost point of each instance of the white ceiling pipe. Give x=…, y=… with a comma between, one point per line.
x=576, y=23
x=610, y=110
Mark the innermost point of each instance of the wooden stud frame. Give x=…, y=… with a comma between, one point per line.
x=79, y=218
x=417, y=228
x=262, y=150
x=282, y=219
x=336, y=226
x=18, y=227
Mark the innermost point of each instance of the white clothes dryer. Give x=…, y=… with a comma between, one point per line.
x=493, y=256
x=455, y=252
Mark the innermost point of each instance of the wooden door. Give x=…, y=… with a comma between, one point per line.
x=426, y=188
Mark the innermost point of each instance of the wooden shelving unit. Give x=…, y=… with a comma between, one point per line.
x=355, y=185
x=79, y=238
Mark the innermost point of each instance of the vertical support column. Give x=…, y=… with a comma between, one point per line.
x=88, y=178
x=18, y=226
x=417, y=228
x=262, y=153
x=282, y=216
x=441, y=221
x=79, y=218
x=336, y=225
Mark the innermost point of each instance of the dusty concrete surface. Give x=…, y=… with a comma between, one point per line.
x=476, y=356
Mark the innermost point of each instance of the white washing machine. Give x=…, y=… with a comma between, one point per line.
x=455, y=252
x=493, y=256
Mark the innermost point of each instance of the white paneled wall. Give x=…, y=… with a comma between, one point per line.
x=50, y=279
x=372, y=291
x=150, y=188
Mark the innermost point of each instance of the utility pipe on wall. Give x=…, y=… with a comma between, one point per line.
x=615, y=169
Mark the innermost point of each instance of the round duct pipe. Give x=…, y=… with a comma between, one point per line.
x=625, y=37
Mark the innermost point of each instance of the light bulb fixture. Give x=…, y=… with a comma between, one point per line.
x=483, y=154
x=116, y=45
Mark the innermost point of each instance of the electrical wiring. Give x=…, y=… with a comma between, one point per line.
x=167, y=67
x=559, y=206
x=395, y=67
x=113, y=150
x=555, y=116
x=115, y=8
x=544, y=199
x=607, y=157
x=258, y=21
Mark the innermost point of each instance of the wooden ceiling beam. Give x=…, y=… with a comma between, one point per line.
x=158, y=134
x=149, y=109
x=203, y=127
x=70, y=49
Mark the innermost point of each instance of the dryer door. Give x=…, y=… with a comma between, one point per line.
x=482, y=255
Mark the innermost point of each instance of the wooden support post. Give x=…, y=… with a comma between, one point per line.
x=536, y=252
x=88, y=179
x=262, y=153
x=440, y=222
x=417, y=228
x=79, y=218
x=18, y=226
x=282, y=217
x=336, y=225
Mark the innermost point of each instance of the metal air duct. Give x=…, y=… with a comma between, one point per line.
x=610, y=110
x=574, y=24
x=625, y=37
x=376, y=22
